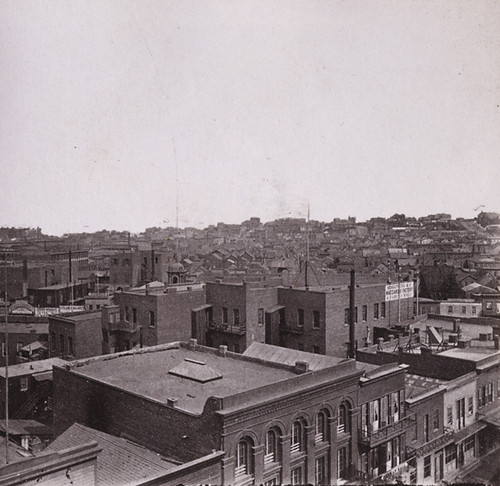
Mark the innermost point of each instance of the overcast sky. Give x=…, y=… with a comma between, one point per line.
x=247, y=108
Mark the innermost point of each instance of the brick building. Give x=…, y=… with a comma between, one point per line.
x=134, y=268
x=23, y=332
x=155, y=314
x=57, y=295
x=234, y=314
x=76, y=336
x=459, y=419
x=280, y=416
x=313, y=319
x=30, y=386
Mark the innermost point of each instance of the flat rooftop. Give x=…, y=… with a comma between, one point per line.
x=193, y=376
x=471, y=354
x=32, y=367
x=198, y=375
x=81, y=316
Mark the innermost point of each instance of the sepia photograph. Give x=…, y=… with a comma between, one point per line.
x=250, y=242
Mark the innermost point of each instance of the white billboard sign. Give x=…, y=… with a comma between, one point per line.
x=403, y=290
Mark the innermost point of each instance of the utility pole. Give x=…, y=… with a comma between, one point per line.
x=399, y=292
x=6, y=365
x=352, y=337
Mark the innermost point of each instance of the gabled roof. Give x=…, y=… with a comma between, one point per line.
x=120, y=461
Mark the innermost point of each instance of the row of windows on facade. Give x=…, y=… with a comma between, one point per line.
x=379, y=312
x=465, y=406
x=452, y=453
x=126, y=317
x=463, y=309
x=383, y=457
x=244, y=464
x=383, y=411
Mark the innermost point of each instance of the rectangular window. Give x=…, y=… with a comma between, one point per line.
x=316, y=319
x=382, y=309
x=70, y=345
x=473, y=310
x=316, y=349
x=23, y=383
x=260, y=316
x=469, y=443
x=426, y=427
x=450, y=453
x=464, y=309
x=435, y=421
x=236, y=317
x=375, y=311
x=427, y=466
x=4, y=352
x=61, y=343
x=320, y=470
x=151, y=318
x=346, y=316
x=450, y=309
x=127, y=313
x=461, y=413
x=342, y=462
x=489, y=306
x=449, y=415
x=225, y=315
x=470, y=405
x=296, y=476
x=134, y=315
x=364, y=310
x=300, y=317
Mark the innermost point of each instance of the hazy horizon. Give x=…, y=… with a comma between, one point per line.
x=115, y=112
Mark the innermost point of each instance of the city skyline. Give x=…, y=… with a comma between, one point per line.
x=116, y=113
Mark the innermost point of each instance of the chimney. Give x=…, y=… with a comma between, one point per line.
x=222, y=350
x=171, y=402
x=301, y=367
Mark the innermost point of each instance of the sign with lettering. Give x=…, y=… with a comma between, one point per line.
x=403, y=290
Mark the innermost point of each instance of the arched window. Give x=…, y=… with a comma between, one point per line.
x=298, y=439
x=271, y=453
x=244, y=464
x=343, y=424
x=321, y=427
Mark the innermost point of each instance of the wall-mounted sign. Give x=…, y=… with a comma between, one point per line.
x=403, y=290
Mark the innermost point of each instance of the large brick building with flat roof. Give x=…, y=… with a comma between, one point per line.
x=280, y=416
x=312, y=319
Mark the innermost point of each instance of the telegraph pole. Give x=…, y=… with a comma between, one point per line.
x=6, y=364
